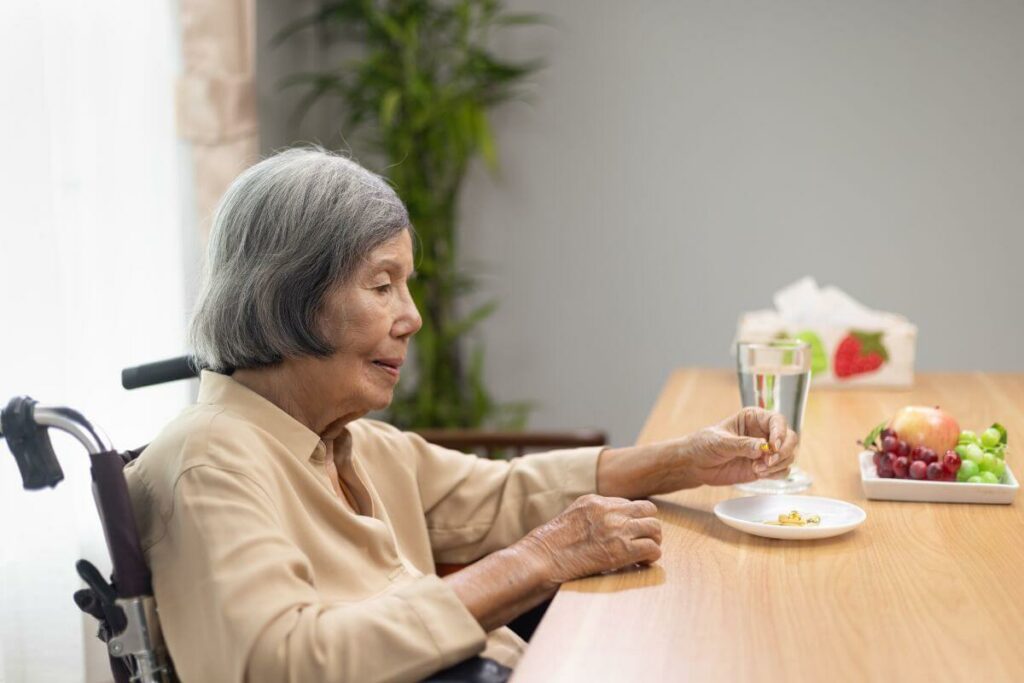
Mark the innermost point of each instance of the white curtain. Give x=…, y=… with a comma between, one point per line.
x=92, y=218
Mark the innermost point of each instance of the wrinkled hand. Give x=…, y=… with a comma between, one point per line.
x=597, y=534
x=731, y=452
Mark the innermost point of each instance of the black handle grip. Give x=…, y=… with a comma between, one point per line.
x=169, y=370
x=30, y=444
x=94, y=580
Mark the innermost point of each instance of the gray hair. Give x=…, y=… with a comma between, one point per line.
x=286, y=232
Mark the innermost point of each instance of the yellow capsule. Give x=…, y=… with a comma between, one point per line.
x=793, y=518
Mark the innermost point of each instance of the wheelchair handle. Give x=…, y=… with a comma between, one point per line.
x=159, y=372
x=24, y=424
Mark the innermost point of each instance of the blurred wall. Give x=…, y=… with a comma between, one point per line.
x=278, y=58
x=679, y=161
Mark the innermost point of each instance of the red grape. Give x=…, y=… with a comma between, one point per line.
x=934, y=471
x=929, y=456
x=900, y=467
x=918, y=469
x=876, y=457
x=951, y=462
x=917, y=453
x=885, y=469
x=904, y=449
x=889, y=432
x=890, y=444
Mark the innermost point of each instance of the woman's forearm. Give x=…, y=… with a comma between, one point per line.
x=503, y=585
x=641, y=471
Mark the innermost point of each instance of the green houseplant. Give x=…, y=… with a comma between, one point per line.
x=416, y=96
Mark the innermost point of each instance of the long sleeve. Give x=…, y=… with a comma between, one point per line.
x=239, y=600
x=475, y=506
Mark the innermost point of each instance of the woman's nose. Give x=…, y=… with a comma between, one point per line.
x=409, y=320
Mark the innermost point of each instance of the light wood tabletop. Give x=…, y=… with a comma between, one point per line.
x=919, y=592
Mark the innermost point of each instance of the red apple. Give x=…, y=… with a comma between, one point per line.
x=926, y=427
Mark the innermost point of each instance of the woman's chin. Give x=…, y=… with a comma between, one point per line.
x=383, y=401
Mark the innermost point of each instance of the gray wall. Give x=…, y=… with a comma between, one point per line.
x=682, y=160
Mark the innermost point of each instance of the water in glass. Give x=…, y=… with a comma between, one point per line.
x=781, y=389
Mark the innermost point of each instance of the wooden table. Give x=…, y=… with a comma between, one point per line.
x=919, y=592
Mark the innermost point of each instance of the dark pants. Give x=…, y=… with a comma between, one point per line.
x=480, y=670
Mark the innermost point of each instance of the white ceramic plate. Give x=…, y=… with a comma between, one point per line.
x=933, y=491
x=749, y=514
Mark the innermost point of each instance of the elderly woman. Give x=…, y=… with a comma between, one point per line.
x=291, y=539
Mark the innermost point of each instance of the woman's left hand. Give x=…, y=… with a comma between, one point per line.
x=732, y=452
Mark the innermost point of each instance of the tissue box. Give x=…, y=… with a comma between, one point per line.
x=851, y=344
x=844, y=356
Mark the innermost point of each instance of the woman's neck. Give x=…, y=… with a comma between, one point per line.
x=295, y=391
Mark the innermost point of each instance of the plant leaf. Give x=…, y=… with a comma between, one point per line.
x=460, y=327
x=344, y=12
x=388, y=106
x=872, y=437
x=522, y=19
x=485, y=140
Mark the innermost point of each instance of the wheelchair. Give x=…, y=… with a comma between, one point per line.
x=124, y=606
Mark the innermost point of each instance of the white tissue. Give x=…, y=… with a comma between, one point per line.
x=803, y=303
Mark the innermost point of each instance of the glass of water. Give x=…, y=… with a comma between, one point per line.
x=776, y=376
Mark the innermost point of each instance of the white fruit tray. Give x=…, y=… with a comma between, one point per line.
x=934, y=491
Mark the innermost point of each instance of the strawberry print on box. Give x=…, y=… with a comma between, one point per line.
x=859, y=353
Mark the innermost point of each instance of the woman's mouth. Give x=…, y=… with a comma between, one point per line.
x=389, y=365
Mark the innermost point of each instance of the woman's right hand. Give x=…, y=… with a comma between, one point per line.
x=596, y=534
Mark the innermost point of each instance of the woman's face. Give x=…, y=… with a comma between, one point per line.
x=369, y=321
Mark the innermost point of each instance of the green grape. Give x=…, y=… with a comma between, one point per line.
x=998, y=469
x=990, y=438
x=987, y=462
x=976, y=479
x=999, y=451
x=973, y=452
x=967, y=436
x=961, y=450
x=968, y=469
x=988, y=478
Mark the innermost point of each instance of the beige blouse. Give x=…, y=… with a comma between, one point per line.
x=262, y=572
